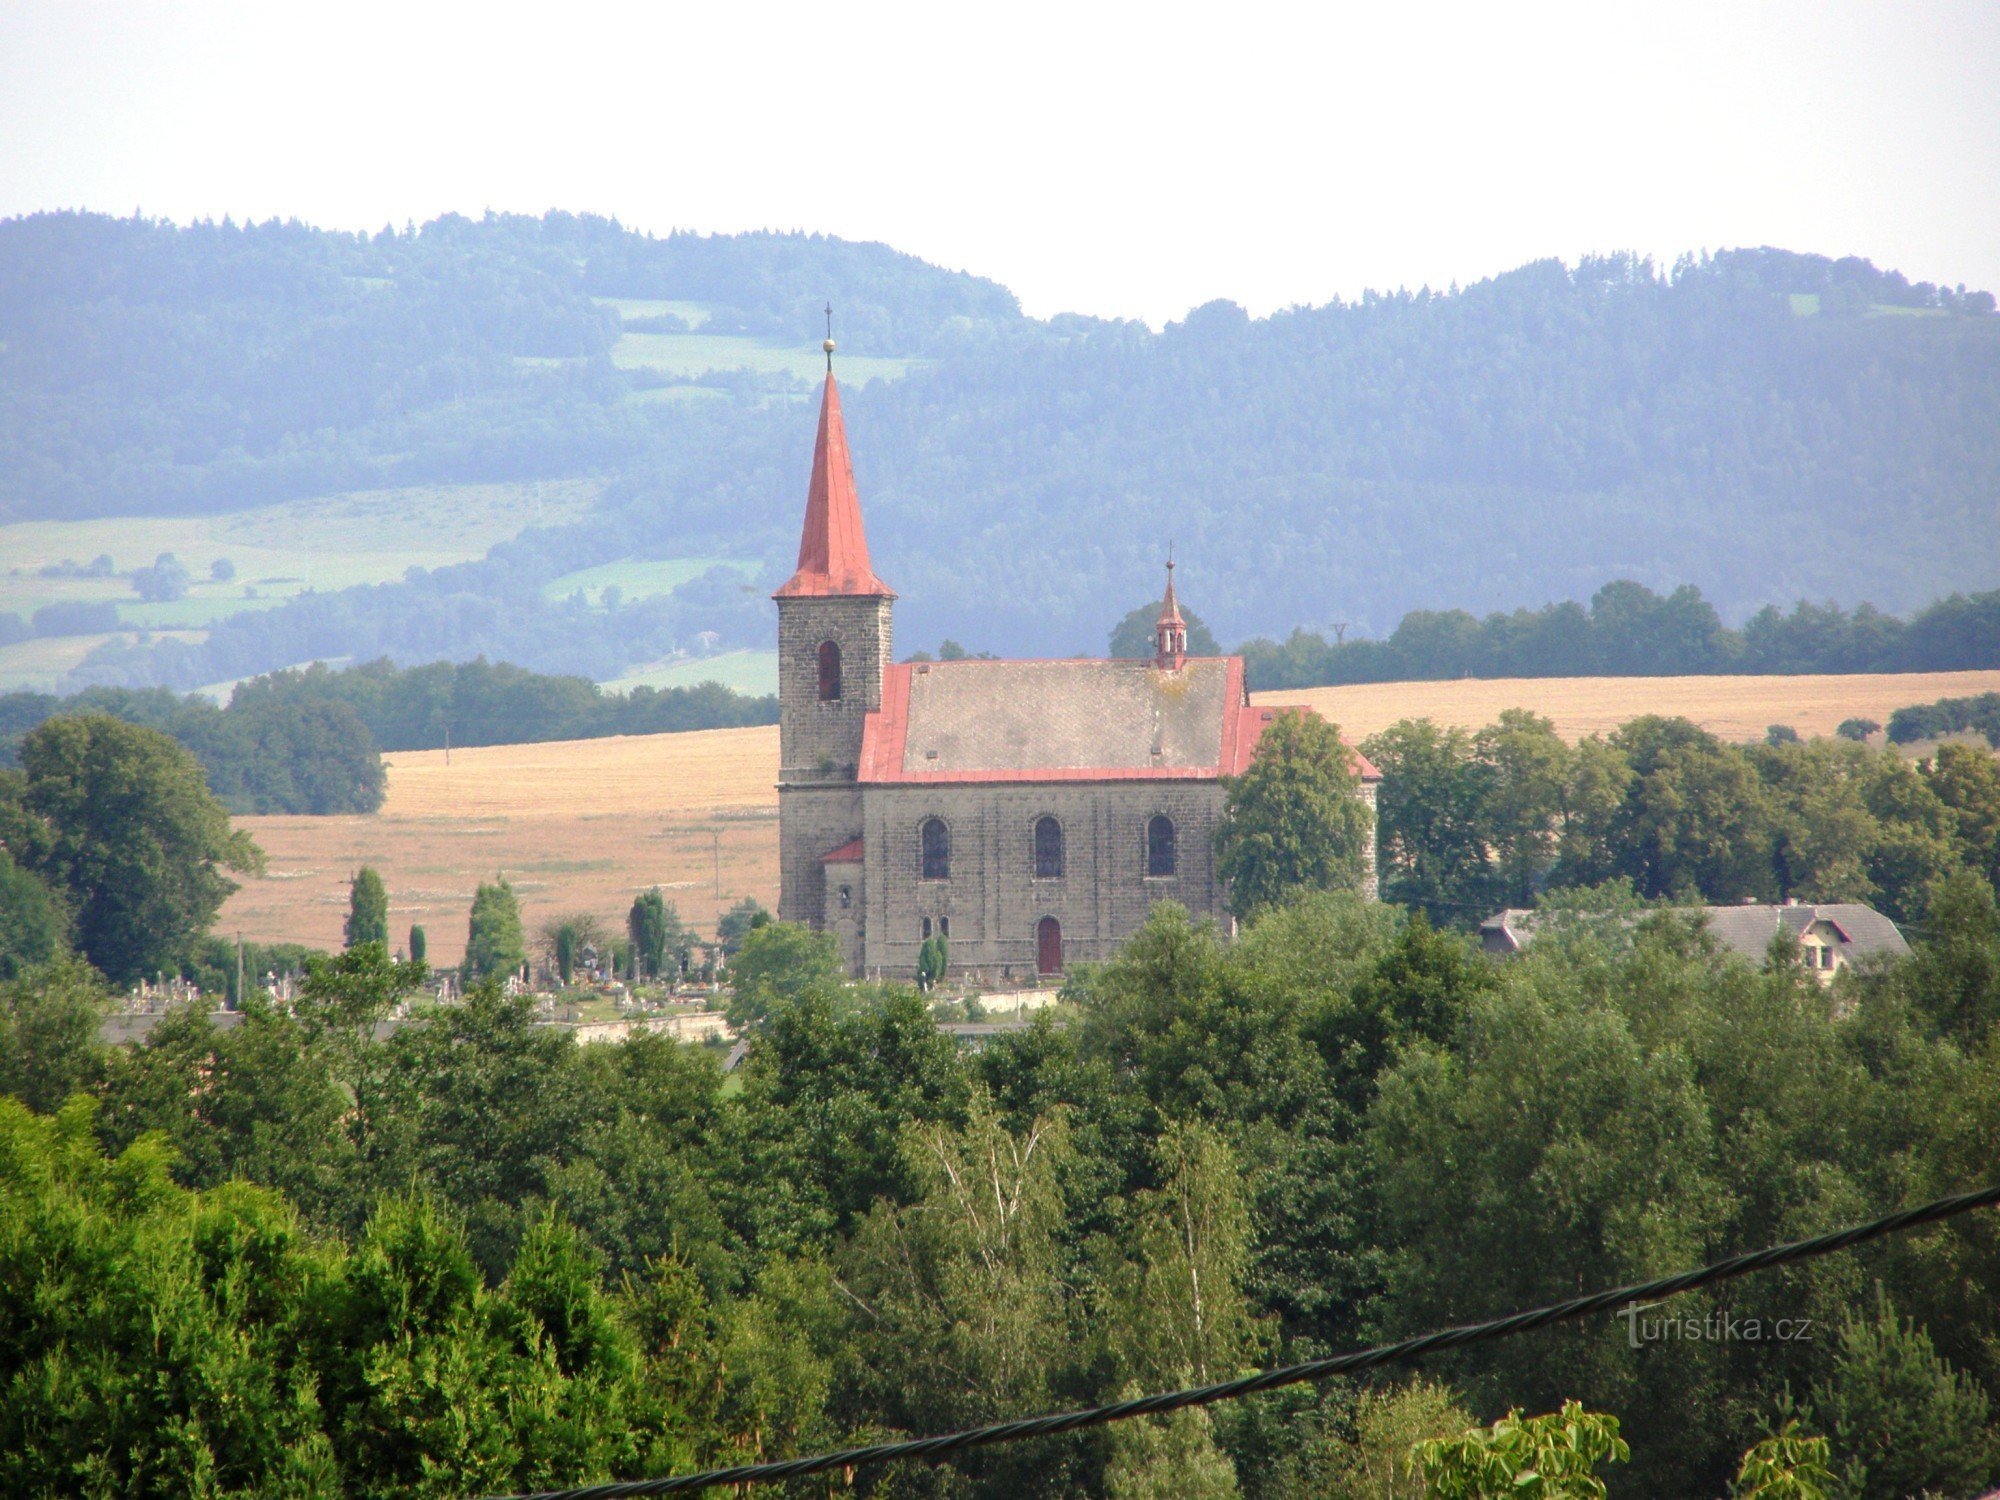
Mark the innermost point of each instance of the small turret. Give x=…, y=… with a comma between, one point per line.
x=1170, y=630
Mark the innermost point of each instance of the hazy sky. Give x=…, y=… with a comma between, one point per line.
x=1134, y=160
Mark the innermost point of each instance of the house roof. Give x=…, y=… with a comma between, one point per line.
x=1748, y=930
x=833, y=549
x=848, y=853
x=1080, y=719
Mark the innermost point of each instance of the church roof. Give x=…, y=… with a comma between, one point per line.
x=1081, y=719
x=833, y=549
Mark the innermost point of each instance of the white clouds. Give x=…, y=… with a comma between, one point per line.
x=1134, y=160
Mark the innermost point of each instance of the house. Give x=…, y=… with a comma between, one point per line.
x=1830, y=935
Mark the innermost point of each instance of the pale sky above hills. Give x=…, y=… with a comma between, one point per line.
x=1120, y=160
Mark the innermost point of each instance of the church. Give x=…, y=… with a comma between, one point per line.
x=1030, y=812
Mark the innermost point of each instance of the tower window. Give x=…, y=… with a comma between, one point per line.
x=935, y=839
x=1048, y=849
x=829, y=672
x=1160, y=859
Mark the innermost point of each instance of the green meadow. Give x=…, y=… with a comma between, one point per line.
x=326, y=542
x=743, y=671
x=639, y=577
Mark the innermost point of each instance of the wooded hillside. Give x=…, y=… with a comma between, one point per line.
x=1762, y=425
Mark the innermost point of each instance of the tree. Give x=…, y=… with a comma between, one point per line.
x=1901, y=1419
x=1173, y=1457
x=495, y=945
x=738, y=923
x=1857, y=729
x=119, y=820
x=1785, y=1465
x=1967, y=780
x=1695, y=823
x=419, y=944
x=1133, y=636
x=1434, y=847
x=34, y=928
x=778, y=963
x=1294, y=820
x=1552, y=1457
x=49, y=1018
x=1524, y=768
x=165, y=580
x=1376, y=1463
x=564, y=939
x=660, y=940
x=933, y=958
x=367, y=909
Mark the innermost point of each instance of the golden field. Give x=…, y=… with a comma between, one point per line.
x=1735, y=708
x=579, y=825
x=584, y=825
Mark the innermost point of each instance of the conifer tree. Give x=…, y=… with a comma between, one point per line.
x=367, y=909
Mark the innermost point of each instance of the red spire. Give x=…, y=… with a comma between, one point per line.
x=833, y=550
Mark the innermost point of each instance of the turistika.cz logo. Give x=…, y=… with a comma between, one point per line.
x=1713, y=1327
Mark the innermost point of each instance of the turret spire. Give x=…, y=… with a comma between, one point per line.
x=1170, y=630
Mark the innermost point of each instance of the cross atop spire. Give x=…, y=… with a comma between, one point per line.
x=833, y=549
x=1170, y=630
x=828, y=345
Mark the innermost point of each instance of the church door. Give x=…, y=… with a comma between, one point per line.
x=1048, y=946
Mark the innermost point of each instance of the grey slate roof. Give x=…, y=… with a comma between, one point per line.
x=1747, y=930
x=973, y=716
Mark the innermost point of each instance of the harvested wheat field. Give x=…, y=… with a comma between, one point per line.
x=1734, y=708
x=583, y=825
x=580, y=825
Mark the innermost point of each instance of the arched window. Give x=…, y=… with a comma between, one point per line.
x=1048, y=849
x=936, y=841
x=829, y=671
x=1160, y=845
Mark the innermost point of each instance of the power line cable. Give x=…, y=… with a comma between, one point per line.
x=933, y=1449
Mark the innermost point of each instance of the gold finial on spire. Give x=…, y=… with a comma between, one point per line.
x=828, y=345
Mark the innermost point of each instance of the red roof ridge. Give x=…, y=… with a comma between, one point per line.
x=833, y=548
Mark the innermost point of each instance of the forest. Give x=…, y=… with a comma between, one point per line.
x=471, y=1256
x=477, y=1258
x=1764, y=426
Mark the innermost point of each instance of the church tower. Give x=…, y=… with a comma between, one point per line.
x=833, y=649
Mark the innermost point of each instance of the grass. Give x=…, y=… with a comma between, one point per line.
x=39, y=665
x=1807, y=305
x=327, y=542
x=744, y=671
x=694, y=314
x=675, y=395
x=691, y=354
x=638, y=577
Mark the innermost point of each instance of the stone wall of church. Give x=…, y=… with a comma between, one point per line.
x=812, y=820
x=994, y=901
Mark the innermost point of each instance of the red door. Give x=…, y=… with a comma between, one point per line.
x=1048, y=946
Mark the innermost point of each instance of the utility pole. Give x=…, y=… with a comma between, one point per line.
x=1340, y=632
x=239, y=968
x=447, y=744
x=715, y=834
